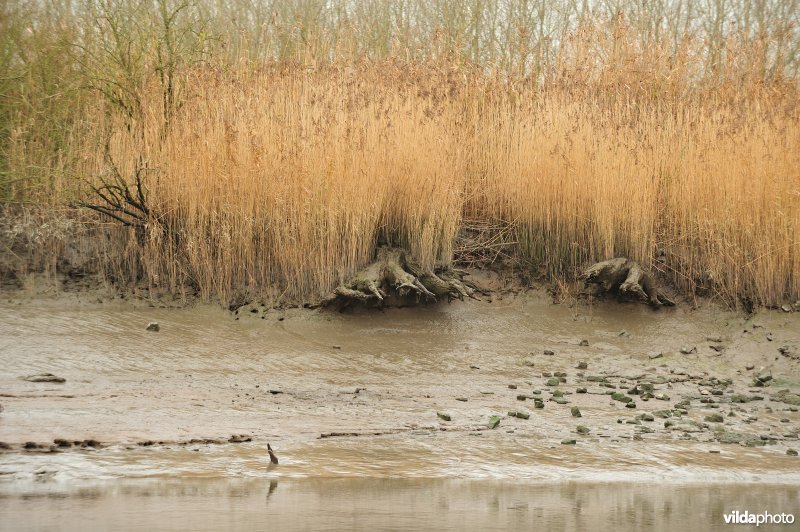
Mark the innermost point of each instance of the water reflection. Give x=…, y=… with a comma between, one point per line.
x=388, y=504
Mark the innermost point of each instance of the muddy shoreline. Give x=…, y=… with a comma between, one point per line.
x=408, y=392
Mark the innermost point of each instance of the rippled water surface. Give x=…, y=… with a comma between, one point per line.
x=369, y=504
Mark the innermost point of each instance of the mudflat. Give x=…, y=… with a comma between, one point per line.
x=601, y=392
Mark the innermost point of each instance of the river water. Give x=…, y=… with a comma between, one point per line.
x=349, y=403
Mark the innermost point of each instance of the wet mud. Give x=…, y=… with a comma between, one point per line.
x=597, y=392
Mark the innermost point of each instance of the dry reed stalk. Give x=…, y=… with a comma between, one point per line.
x=287, y=178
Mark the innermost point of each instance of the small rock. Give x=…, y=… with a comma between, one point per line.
x=630, y=405
x=522, y=415
x=553, y=381
x=654, y=356
x=748, y=367
x=512, y=386
x=581, y=390
x=538, y=403
x=582, y=429
x=522, y=397
x=619, y=396
x=559, y=400
x=462, y=399
x=714, y=418
x=62, y=442
x=787, y=397
x=582, y=365
x=584, y=343
x=575, y=411
x=239, y=438
x=443, y=416
x=791, y=452
x=45, y=377
x=528, y=362
x=548, y=352
x=790, y=352
x=336, y=346
x=647, y=417
x=786, y=308
x=494, y=421
x=30, y=445
x=569, y=441
x=474, y=367
x=153, y=326
x=688, y=350
x=717, y=347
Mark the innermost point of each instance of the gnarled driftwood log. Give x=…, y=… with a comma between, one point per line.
x=394, y=274
x=626, y=278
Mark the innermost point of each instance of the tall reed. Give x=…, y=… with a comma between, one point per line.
x=279, y=155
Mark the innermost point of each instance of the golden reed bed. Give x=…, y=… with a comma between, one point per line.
x=280, y=176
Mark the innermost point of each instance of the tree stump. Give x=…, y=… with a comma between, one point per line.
x=627, y=279
x=395, y=275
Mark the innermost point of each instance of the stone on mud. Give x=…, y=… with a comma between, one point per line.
x=764, y=376
x=619, y=396
x=153, y=326
x=45, y=377
x=785, y=396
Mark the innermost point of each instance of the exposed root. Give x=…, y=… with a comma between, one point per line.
x=627, y=279
x=395, y=274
